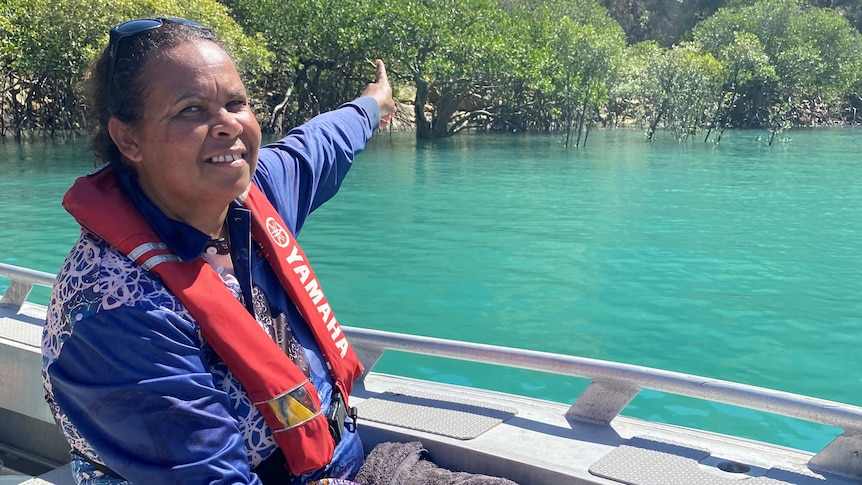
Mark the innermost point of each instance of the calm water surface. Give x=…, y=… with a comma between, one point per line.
x=737, y=261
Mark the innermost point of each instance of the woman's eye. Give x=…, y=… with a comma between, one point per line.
x=191, y=109
x=236, y=105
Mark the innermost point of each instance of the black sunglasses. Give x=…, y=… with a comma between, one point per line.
x=130, y=29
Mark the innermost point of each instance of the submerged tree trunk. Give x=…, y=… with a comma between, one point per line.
x=423, y=126
x=723, y=121
x=654, y=124
x=446, y=107
x=715, y=118
x=582, y=116
x=778, y=120
x=595, y=111
x=719, y=121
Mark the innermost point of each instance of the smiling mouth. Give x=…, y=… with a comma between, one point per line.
x=225, y=158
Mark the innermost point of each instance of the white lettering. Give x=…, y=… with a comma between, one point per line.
x=342, y=346
x=314, y=291
x=324, y=311
x=303, y=272
x=294, y=255
x=334, y=328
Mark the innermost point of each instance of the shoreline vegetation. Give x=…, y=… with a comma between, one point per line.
x=562, y=66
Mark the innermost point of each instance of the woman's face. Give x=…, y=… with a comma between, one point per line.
x=196, y=145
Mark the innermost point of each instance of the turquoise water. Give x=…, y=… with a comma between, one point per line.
x=737, y=261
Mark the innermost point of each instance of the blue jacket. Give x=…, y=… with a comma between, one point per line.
x=127, y=375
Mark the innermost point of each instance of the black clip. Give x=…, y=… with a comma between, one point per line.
x=354, y=417
x=337, y=417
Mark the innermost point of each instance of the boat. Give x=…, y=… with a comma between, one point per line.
x=528, y=440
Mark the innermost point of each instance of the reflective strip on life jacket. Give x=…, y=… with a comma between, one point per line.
x=141, y=255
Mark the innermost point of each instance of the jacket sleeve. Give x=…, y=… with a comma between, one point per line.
x=305, y=168
x=154, y=416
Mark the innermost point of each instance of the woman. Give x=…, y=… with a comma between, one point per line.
x=187, y=339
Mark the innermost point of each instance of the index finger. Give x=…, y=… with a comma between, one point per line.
x=381, y=71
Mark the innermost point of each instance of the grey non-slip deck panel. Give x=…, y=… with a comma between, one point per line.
x=647, y=461
x=450, y=416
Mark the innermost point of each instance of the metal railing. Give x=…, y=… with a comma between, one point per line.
x=613, y=384
x=23, y=280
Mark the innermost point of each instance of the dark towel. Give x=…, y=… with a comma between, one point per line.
x=405, y=464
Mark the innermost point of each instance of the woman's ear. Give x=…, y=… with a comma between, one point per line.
x=124, y=137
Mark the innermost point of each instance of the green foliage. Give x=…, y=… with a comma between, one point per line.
x=510, y=65
x=321, y=49
x=48, y=39
x=453, y=52
x=694, y=84
x=665, y=22
x=670, y=22
x=582, y=56
x=468, y=63
x=779, y=52
x=579, y=60
x=46, y=52
x=746, y=62
x=672, y=86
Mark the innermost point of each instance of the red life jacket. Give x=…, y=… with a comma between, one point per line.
x=279, y=389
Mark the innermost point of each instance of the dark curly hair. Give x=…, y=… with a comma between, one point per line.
x=124, y=97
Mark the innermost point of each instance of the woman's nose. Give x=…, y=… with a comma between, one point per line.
x=226, y=125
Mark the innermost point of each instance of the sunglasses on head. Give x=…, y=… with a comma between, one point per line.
x=130, y=29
